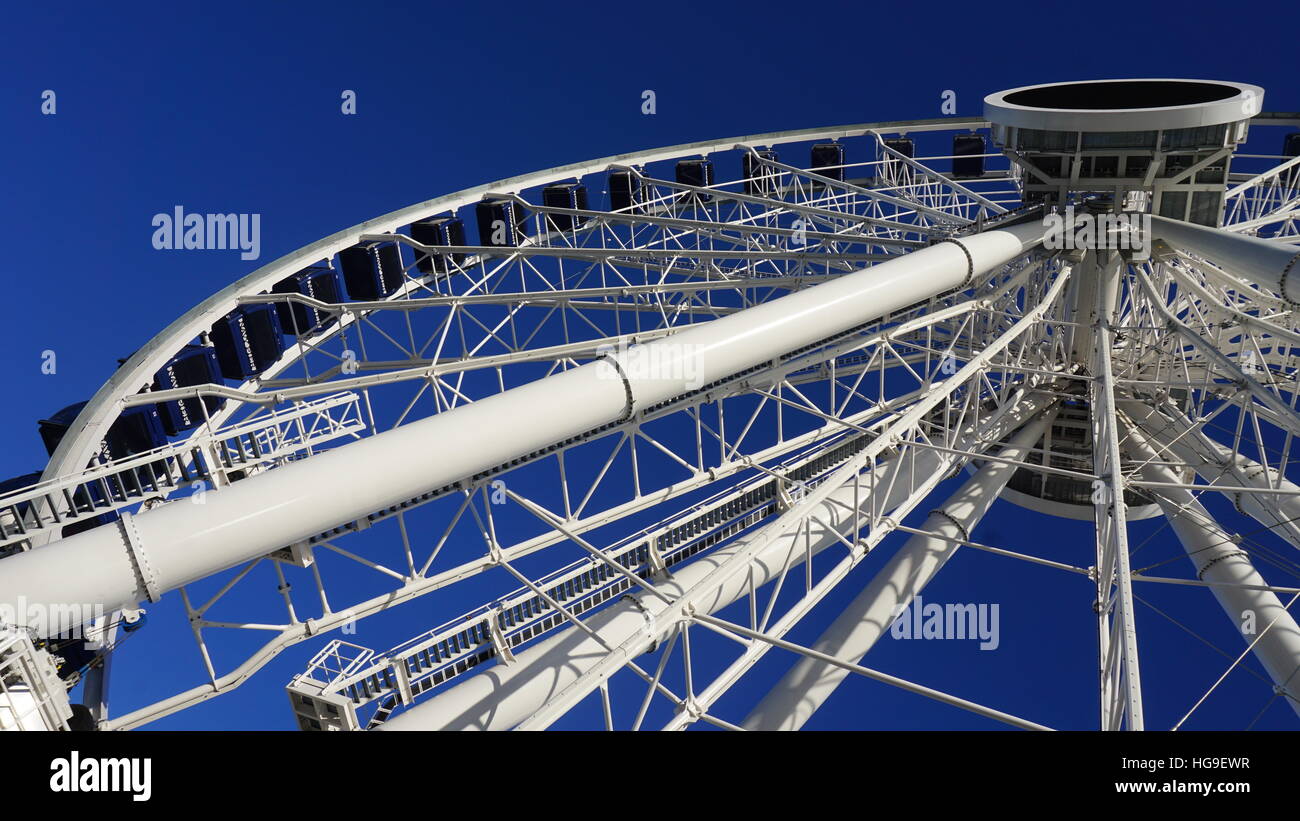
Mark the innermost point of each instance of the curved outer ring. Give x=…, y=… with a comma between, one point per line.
x=92, y=424
x=1243, y=105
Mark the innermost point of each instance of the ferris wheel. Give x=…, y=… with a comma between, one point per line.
x=603, y=437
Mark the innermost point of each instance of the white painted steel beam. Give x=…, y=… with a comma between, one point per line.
x=178, y=543
x=1120, y=674
x=1270, y=264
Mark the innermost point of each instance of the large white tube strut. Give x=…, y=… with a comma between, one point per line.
x=119, y=566
x=502, y=696
x=1274, y=265
x=807, y=685
x=1220, y=562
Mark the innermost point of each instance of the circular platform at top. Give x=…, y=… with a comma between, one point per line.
x=1124, y=105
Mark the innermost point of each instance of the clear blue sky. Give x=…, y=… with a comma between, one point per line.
x=235, y=108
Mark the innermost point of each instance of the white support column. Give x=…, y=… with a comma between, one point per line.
x=807, y=685
x=1219, y=561
x=1120, y=680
